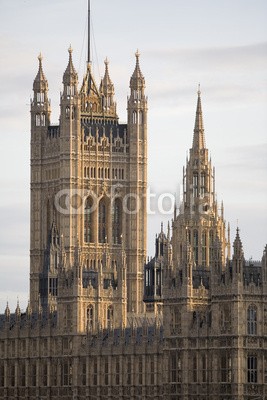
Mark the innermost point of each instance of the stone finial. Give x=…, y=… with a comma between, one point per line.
x=7, y=311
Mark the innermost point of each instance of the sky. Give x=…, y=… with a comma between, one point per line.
x=221, y=45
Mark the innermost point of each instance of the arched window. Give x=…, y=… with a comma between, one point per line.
x=117, y=222
x=40, y=97
x=102, y=210
x=88, y=210
x=211, y=240
x=204, y=248
x=109, y=317
x=38, y=120
x=67, y=112
x=73, y=112
x=140, y=117
x=90, y=317
x=134, y=117
x=43, y=119
x=202, y=184
x=195, y=184
x=252, y=369
x=252, y=320
x=195, y=245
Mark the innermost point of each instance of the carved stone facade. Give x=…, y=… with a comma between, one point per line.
x=101, y=323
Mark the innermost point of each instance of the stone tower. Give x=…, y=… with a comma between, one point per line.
x=199, y=222
x=88, y=200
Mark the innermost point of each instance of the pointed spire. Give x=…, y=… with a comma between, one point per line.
x=7, y=311
x=17, y=311
x=137, y=78
x=106, y=90
x=70, y=71
x=29, y=310
x=89, y=34
x=238, y=247
x=199, y=138
x=106, y=84
x=40, y=77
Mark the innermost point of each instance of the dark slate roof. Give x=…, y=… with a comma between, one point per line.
x=117, y=130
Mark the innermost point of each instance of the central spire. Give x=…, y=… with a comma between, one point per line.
x=199, y=138
x=89, y=33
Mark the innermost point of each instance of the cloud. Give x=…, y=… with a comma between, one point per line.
x=226, y=73
x=221, y=57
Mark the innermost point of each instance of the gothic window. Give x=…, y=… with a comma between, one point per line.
x=140, y=117
x=134, y=117
x=252, y=369
x=195, y=369
x=53, y=374
x=204, y=368
x=38, y=120
x=117, y=371
x=106, y=371
x=225, y=318
x=140, y=370
x=12, y=375
x=202, y=184
x=117, y=221
x=152, y=371
x=102, y=217
x=43, y=119
x=175, y=321
x=226, y=368
x=195, y=246
x=252, y=320
x=83, y=374
x=70, y=90
x=40, y=97
x=88, y=216
x=44, y=374
x=66, y=373
x=67, y=111
x=90, y=317
x=195, y=184
x=2, y=374
x=68, y=317
x=129, y=372
x=73, y=112
x=33, y=374
x=173, y=368
x=211, y=240
x=95, y=371
x=109, y=317
x=204, y=248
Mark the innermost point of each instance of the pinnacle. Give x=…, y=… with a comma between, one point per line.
x=199, y=138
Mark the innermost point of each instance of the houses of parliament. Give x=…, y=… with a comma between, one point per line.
x=103, y=321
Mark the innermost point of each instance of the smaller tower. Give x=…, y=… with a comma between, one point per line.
x=107, y=93
x=238, y=259
x=40, y=105
x=40, y=120
x=135, y=245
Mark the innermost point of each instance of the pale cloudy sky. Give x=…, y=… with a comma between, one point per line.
x=222, y=45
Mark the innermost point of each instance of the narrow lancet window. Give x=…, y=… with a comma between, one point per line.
x=117, y=221
x=88, y=209
x=102, y=222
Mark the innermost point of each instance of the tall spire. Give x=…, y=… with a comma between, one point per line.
x=89, y=34
x=199, y=138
